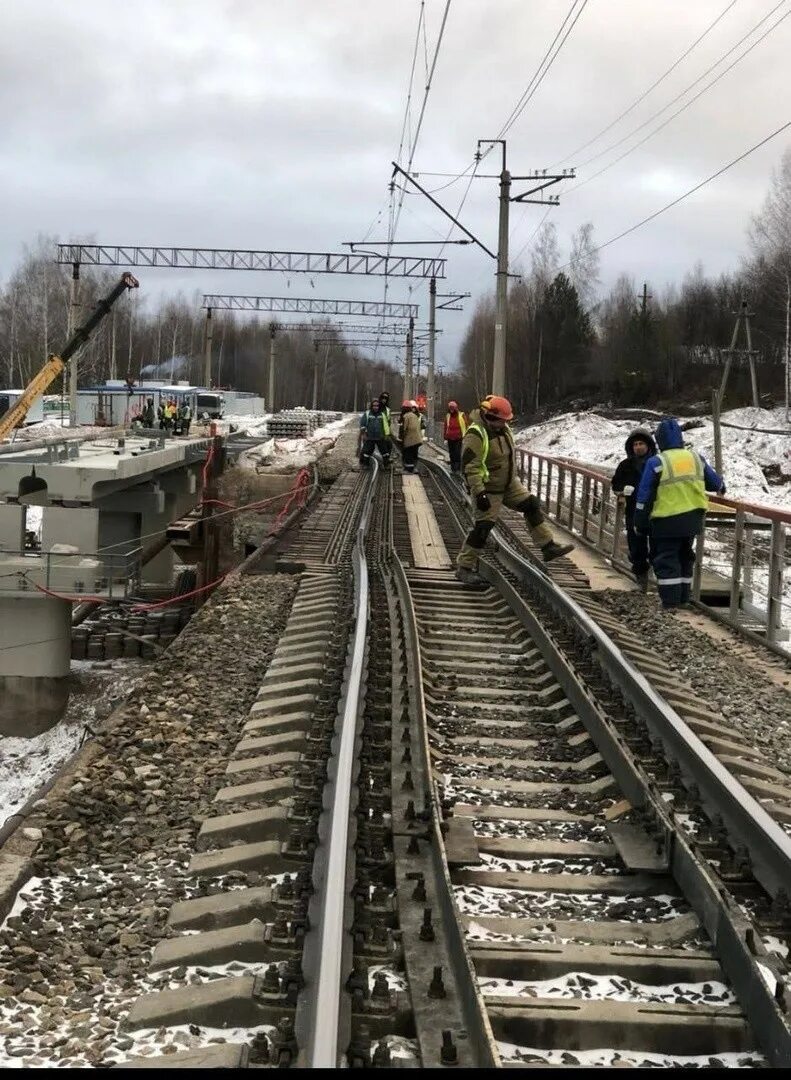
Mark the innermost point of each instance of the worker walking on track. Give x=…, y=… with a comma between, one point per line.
x=488, y=458
x=453, y=433
x=639, y=447
x=411, y=435
x=372, y=435
x=671, y=505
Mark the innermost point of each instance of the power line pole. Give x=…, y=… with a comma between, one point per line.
x=354, y=407
x=409, y=353
x=742, y=315
x=544, y=180
x=272, y=332
x=501, y=312
x=315, y=374
x=432, y=333
x=207, y=357
x=74, y=310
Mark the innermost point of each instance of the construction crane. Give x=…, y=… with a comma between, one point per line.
x=56, y=363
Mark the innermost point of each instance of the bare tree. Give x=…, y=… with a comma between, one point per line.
x=584, y=265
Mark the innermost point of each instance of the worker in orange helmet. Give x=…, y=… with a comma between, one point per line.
x=453, y=432
x=488, y=461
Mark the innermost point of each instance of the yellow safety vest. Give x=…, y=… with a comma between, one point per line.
x=681, y=484
x=385, y=414
x=462, y=422
x=484, y=434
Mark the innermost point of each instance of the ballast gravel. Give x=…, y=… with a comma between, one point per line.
x=115, y=846
x=755, y=706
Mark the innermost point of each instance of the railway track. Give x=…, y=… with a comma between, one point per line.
x=454, y=832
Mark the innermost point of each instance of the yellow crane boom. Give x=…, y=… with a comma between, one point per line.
x=55, y=364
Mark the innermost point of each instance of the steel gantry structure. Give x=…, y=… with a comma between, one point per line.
x=285, y=262
x=310, y=306
x=301, y=305
x=200, y=258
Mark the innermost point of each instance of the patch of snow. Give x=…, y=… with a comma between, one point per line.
x=592, y=439
x=588, y=987
x=634, y=1058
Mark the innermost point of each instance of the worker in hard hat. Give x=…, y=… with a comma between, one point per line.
x=372, y=435
x=453, y=433
x=488, y=460
x=411, y=435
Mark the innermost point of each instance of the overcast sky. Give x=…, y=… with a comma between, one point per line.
x=272, y=125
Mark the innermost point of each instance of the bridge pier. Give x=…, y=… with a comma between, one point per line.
x=35, y=657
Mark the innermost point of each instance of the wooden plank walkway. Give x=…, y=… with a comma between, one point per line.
x=428, y=547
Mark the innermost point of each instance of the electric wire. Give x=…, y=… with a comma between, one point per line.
x=546, y=63
x=650, y=89
x=673, y=116
x=692, y=190
x=682, y=93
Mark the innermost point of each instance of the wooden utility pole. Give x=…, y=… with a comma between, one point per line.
x=715, y=415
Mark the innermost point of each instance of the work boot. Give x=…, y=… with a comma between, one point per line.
x=553, y=550
x=642, y=582
x=468, y=577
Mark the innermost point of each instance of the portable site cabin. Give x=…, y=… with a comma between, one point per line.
x=114, y=403
x=9, y=398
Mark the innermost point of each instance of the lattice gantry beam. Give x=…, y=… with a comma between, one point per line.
x=288, y=262
x=310, y=306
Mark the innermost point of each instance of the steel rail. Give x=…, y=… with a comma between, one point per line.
x=468, y=1011
x=331, y=933
x=747, y=820
x=765, y=1004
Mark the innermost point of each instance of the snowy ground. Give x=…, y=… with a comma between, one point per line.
x=26, y=764
x=593, y=439
x=287, y=453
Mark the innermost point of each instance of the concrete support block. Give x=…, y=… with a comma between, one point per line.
x=225, y=1056
x=233, y=1002
x=243, y=943
x=265, y=857
x=260, y=791
x=265, y=823
x=226, y=909
x=35, y=657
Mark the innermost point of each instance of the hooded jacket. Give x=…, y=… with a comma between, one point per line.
x=630, y=470
x=669, y=436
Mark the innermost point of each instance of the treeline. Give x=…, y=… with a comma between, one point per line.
x=565, y=342
x=143, y=339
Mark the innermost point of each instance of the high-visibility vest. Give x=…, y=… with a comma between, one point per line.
x=385, y=414
x=681, y=484
x=484, y=434
x=462, y=422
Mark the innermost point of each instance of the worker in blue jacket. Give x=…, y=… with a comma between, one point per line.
x=671, y=505
x=374, y=433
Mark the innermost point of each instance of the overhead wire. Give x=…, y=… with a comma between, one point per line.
x=665, y=123
x=651, y=88
x=543, y=68
x=679, y=96
x=692, y=190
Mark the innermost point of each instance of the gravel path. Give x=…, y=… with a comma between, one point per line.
x=112, y=859
x=760, y=709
